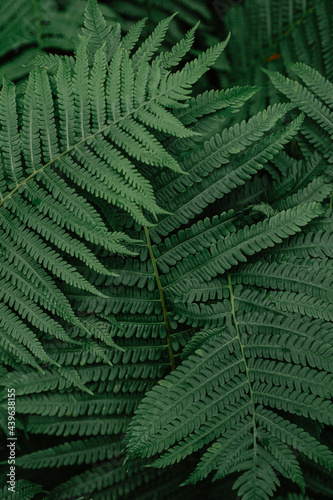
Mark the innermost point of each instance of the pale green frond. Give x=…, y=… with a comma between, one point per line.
x=9, y=136
x=77, y=452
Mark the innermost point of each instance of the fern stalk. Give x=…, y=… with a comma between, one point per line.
x=162, y=298
x=241, y=345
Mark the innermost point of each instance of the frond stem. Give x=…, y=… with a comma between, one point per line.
x=241, y=345
x=162, y=298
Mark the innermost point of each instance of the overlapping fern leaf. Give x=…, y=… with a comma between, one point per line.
x=82, y=133
x=315, y=97
x=253, y=359
x=259, y=361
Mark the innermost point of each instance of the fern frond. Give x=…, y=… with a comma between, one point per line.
x=48, y=404
x=9, y=137
x=198, y=189
x=76, y=452
x=117, y=480
x=211, y=370
x=211, y=101
x=304, y=99
x=315, y=81
x=97, y=32
x=82, y=137
x=193, y=239
x=152, y=44
x=234, y=248
x=318, y=190
x=286, y=276
x=24, y=490
x=302, y=304
x=307, y=245
x=299, y=439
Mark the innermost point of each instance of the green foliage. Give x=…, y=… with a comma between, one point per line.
x=166, y=250
x=24, y=490
x=95, y=143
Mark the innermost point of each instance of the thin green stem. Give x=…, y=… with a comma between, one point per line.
x=247, y=371
x=162, y=298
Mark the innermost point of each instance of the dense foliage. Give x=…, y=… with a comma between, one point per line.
x=166, y=251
